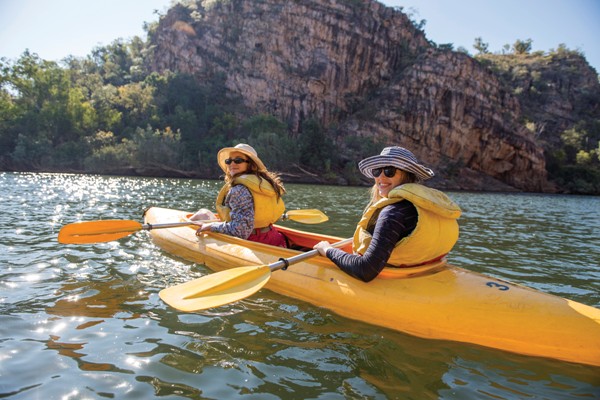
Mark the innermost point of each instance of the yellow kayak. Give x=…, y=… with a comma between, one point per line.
x=437, y=301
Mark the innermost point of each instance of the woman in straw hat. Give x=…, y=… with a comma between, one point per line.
x=405, y=224
x=250, y=200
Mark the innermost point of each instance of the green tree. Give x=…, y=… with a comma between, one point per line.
x=315, y=147
x=480, y=46
x=103, y=97
x=109, y=114
x=269, y=137
x=136, y=103
x=155, y=147
x=120, y=62
x=573, y=141
x=43, y=107
x=111, y=157
x=9, y=112
x=31, y=151
x=224, y=126
x=522, y=46
x=583, y=158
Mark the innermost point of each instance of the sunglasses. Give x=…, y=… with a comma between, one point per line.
x=237, y=160
x=388, y=171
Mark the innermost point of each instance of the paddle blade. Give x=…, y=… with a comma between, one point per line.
x=306, y=216
x=216, y=289
x=97, y=231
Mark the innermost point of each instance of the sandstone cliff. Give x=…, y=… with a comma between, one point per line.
x=555, y=90
x=364, y=69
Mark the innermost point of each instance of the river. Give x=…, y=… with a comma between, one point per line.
x=86, y=322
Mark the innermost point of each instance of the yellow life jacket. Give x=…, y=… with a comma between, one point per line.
x=433, y=237
x=267, y=207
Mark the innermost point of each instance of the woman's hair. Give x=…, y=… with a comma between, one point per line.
x=270, y=177
x=407, y=177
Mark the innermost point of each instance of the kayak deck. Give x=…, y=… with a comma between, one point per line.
x=438, y=301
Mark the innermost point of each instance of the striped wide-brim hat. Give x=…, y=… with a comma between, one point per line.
x=398, y=157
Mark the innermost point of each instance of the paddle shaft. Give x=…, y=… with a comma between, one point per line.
x=286, y=262
x=149, y=227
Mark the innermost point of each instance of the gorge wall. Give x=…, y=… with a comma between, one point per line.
x=364, y=69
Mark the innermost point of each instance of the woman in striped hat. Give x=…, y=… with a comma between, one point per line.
x=406, y=224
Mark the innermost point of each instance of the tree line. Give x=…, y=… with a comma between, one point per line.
x=108, y=113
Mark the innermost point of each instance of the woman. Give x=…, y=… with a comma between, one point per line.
x=250, y=200
x=404, y=225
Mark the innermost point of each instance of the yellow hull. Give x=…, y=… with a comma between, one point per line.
x=437, y=302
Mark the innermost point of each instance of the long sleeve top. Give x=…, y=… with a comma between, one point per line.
x=394, y=222
x=240, y=201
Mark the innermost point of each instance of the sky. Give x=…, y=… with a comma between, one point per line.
x=55, y=29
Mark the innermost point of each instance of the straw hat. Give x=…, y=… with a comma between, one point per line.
x=243, y=148
x=398, y=157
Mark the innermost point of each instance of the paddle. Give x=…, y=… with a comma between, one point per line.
x=113, y=229
x=311, y=216
x=228, y=286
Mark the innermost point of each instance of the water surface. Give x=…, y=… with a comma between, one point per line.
x=86, y=322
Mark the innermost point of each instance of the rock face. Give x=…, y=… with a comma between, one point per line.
x=555, y=91
x=334, y=59
x=456, y=115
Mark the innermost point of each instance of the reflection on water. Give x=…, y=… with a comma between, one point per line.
x=100, y=299
x=90, y=320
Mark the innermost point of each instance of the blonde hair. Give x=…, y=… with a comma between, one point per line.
x=270, y=177
x=407, y=177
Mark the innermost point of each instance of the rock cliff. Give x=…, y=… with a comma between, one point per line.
x=365, y=69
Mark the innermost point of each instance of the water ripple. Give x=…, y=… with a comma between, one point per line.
x=90, y=320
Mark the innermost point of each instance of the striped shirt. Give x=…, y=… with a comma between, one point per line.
x=394, y=222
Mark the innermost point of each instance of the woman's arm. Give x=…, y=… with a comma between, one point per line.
x=395, y=222
x=239, y=200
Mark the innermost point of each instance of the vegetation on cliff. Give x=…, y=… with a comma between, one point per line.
x=109, y=113
x=559, y=95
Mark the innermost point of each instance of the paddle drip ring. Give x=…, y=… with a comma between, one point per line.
x=286, y=262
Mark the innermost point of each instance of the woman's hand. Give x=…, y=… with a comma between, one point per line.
x=322, y=247
x=203, y=214
x=203, y=227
